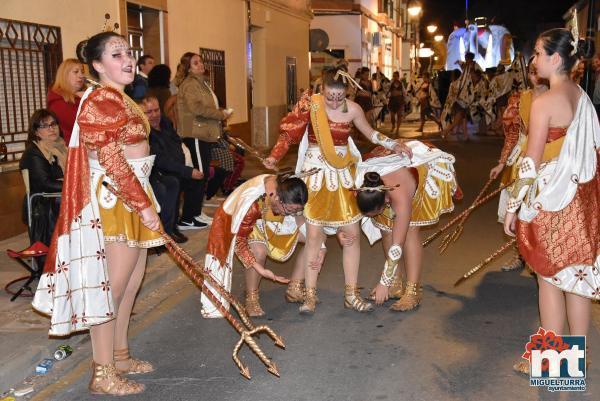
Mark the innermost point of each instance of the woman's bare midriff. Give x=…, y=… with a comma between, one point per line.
x=133, y=151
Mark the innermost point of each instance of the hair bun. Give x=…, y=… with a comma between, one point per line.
x=80, y=51
x=372, y=179
x=585, y=48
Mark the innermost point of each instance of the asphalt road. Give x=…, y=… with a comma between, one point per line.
x=460, y=344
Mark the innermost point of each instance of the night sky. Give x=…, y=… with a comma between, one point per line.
x=524, y=18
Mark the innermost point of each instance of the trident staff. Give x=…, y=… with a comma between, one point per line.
x=239, y=143
x=246, y=328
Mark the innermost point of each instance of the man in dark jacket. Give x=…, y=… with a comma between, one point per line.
x=171, y=175
x=137, y=89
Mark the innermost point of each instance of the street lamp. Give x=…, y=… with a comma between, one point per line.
x=414, y=8
x=438, y=38
x=431, y=28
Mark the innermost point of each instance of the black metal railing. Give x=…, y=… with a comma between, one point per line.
x=29, y=57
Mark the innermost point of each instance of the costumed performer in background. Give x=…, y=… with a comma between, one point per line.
x=515, y=122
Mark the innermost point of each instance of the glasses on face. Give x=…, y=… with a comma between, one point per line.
x=291, y=211
x=49, y=125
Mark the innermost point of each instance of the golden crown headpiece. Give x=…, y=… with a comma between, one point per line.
x=107, y=26
x=574, y=32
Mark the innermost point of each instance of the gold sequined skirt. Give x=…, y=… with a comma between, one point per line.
x=119, y=222
x=280, y=247
x=330, y=201
x=425, y=209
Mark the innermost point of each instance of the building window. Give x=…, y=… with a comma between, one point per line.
x=214, y=62
x=388, y=8
x=144, y=32
x=291, y=82
x=135, y=30
x=29, y=57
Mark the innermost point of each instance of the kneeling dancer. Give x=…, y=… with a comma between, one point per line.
x=260, y=218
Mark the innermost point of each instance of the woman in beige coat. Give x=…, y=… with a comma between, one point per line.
x=199, y=122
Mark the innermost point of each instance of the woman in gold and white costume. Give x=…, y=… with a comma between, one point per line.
x=322, y=124
x=398, y=195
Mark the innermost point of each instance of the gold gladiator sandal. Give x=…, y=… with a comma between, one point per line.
x=397, y=289
x=409, y=300
x=310, y=301
x=295, y=291
x=107, y=380
x=136, y=366
x=253, y=307
x=353, y=300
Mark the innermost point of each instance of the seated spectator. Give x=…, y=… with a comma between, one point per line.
x=173, y=174
x=238, y=166
x=158, y=85
x=45, y=157
x=222, y=165
x=137, y=89
x=65, y=94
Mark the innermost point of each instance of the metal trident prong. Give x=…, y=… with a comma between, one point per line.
x=450, y=238
x=246, y=337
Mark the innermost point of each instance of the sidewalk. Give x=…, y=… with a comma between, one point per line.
x=24, y=333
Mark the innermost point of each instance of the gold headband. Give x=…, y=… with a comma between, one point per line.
x=301, y=174
x=575, y=32
x=379, y=188
x=346, y=77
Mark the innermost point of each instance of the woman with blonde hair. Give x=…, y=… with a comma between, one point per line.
x=65, y=94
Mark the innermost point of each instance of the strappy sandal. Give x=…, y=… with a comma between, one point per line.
x=409, y=300
x=136, y=366
x=107, y=380
x=253, y=307
x=353, y=300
